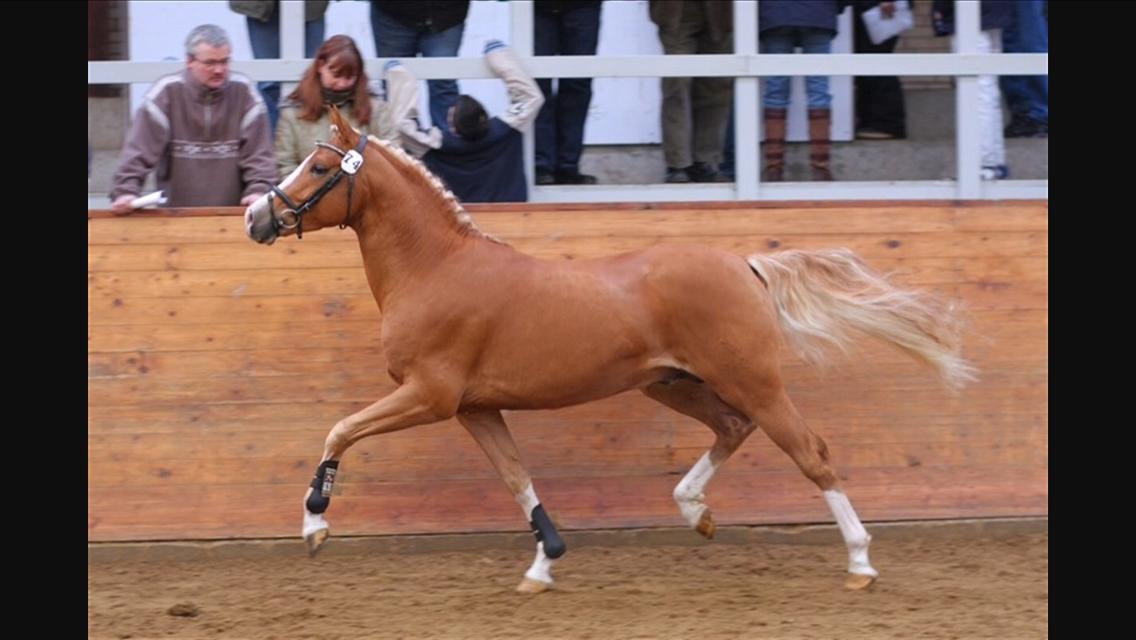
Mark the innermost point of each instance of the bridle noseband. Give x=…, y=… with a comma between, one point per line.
x=350, y=165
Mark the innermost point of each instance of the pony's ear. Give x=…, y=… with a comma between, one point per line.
x=342, y=128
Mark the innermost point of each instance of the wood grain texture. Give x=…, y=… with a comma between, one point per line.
x=204, y=421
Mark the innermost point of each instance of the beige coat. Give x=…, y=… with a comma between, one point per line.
x=296, y=138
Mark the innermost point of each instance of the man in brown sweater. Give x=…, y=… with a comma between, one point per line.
x=205, y=130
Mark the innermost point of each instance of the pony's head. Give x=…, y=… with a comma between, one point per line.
x=321, y=192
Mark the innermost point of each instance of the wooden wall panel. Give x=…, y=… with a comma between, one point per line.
x=207, y=413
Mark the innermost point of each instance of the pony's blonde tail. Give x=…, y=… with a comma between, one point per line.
x=821, y=295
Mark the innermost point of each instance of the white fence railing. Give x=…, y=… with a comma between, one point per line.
x=746, y=65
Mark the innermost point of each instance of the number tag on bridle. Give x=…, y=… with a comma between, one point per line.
x=352, y=160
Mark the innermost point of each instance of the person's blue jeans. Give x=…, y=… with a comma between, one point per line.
x=560, y=124
x=1027, y=95
x=785, y=40
x=265, y=40
x=396, y=40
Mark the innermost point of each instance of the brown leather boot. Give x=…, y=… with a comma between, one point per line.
x=820, y=124
x=774, y=145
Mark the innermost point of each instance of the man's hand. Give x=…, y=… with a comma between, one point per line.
x=121, y=204
x=251, y=198
x=887, y=9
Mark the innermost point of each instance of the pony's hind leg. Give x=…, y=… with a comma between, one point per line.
x=697, y=400
x=405, y=407
x=492, y=434
x=779, y=418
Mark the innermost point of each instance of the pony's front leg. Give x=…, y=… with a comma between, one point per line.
x=491, y=432
x=407, y=406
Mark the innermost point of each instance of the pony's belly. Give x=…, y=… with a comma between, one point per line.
x=540, y=390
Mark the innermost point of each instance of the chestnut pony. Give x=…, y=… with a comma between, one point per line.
x=471, y=327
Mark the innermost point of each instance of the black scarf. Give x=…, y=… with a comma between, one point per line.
x=337, y=98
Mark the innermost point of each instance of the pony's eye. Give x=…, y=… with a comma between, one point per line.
x=319, y=170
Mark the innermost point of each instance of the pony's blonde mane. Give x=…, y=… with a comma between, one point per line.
x=461, y=216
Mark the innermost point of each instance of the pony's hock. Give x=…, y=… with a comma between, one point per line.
x=695, y=329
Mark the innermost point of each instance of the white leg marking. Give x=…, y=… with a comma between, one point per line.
x=855, y=536
x=689, y=492
x=312, y=521
x=541, y=569
x=528, y=501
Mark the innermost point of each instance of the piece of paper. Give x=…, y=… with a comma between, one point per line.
x=881, y=28
x=156, y=198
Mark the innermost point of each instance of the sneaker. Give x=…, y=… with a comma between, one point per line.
x=997, y=172
x=702, y=172
x=544, y=177
x=676, y=176
x=574, y=177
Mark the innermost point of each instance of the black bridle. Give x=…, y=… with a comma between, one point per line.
x=350, y=165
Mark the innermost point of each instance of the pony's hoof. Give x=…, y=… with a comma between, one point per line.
x=315, y=541
x=706, y=525
x=858, y=581
x=528, y=585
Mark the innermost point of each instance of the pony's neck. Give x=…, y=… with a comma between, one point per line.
x=409, y=224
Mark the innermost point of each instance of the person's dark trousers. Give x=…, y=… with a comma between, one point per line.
x=560, y=124
x=396, y=40
x=265, y=40
x=727, y=168
x=1027, y=96
x=879, y=99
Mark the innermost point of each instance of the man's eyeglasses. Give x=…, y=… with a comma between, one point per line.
x=212, y=64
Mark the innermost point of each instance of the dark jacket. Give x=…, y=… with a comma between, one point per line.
x=425, y=15
x=818, y=14
x=994, y=15
x=489, y=169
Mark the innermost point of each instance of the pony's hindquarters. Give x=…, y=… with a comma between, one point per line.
x=821, y=296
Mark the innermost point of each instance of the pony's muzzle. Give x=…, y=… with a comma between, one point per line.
x=258, y=221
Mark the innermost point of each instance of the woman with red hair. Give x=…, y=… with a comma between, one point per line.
x=336, y=77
